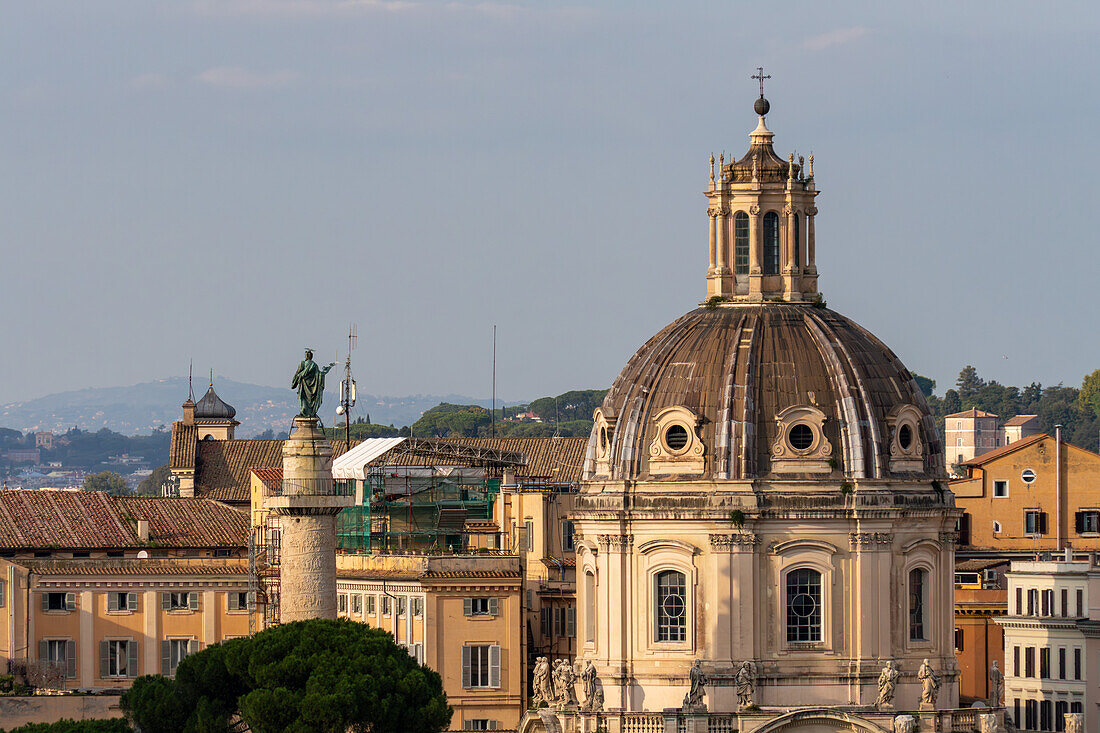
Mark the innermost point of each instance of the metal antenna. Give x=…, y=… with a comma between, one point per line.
x=190, y=383
x=761, y=76
x=347, y=386
x=493, y=414
x=211, y=376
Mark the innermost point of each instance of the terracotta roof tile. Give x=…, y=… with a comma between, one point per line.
x=138, y=566
x=222, y=467
x=181, y=453
x=972, y=412
x=48, y=518
x=1020, y=420
x=1004, y=450
x=440, y=574
x=569, y=562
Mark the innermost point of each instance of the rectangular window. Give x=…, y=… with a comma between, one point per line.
x=118, y=658
x=59, y=601
x=237, y=600
x=1081, y=603
x=529, y=533
x=567, y=535
x=1065, y=603
x=1035, y=521
x=1046, y=714
x=1048, y=598
x=1032, y=601
x=121, y=601
x=401, y=601
x=1016, y=713
x=741, y=243
x=803, y=606
x=481, y=665
x=2, y=593
x=480, y=724
x=1029, y=661
x=1031, y=714
x=1019, y=601
x=357, y=605
x=1077, y=663
x=60, y=653
x=546, y=615
x=173, y=651
x=342, y=603
x=481, y=606
x=386, y=605
x=1087, y=521
x=671, y=607
x=1000, y=489
x=418, y=606
x=1044, y=662
x=1061, y=707
x=370, y=605
x=916, y=605
x=1061, y=663
x=1015, y=661
x=180, y=601
x=958, y=639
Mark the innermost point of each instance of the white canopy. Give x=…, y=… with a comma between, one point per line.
x=354, y=464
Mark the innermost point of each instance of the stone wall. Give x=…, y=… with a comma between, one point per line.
x=20, y=710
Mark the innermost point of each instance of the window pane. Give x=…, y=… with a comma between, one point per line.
x=916, y=604
x=804, y=605
x=671, y=606
x=741, y=243
x=771, y=243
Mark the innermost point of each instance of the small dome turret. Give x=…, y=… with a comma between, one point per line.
x=212, y=407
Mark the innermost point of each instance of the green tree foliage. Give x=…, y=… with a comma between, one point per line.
x=575, y=405
x=1089, y=398
x=89, y=450
x=68, y=725
x=107, y=481
x=1058, y=405
x=318, y=676
x=363, y=430
x=927, y=386
x=150, y=486
x=452, y=421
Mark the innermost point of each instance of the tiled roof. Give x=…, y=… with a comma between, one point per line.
x=181, y=453
x=270, y=477
x=366, y=574
x=471, y=574
x=1020, y=420
x=48, y=518
x=568, y=562
x=1004, y=450
x=137, y=566
x=223, y=467
x=180, y=522
x=972, y=412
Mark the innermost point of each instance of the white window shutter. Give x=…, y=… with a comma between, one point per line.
x=466, y=665
x=234, y=600
x=112, y=601
x=494, y=606
x=165, y=601
x=494, y=666
x=131, y=602
x=70, y=601
x=193, y=600
x=467, y=606
x=70, y=659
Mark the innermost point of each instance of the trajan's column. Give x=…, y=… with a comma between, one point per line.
x=307, y=503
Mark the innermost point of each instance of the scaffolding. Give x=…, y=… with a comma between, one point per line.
x=422, y=508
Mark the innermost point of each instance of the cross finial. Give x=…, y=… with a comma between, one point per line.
x=761, y=76
x=211, y=376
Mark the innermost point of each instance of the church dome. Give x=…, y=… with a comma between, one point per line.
x=771, y=390
x=212, y=407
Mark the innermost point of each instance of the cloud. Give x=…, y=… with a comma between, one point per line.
x=234, y=77
x=838, y=37
x=147, y=82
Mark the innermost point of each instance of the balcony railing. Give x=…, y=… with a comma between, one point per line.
x=310, y=487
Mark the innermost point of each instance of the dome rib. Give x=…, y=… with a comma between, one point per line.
x=737, y=367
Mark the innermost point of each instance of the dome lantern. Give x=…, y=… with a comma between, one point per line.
x=761, y=210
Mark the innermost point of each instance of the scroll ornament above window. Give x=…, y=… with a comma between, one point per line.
x=676, y=446
x=800, y=445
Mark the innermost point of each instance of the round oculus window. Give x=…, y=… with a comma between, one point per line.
x=801, y=436
x=905, y=437
x=803, y=605
x=676, y=437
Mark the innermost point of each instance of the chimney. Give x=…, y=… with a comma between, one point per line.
x=143, y=530
x=189, y=413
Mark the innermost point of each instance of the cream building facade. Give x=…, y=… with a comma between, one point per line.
x=763, y=493
x=1049, y=670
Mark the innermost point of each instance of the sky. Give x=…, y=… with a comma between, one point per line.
x=229, y=181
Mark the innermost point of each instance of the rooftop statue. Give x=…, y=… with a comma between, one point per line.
x=309, y=380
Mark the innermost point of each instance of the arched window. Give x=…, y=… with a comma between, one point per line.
x=590, y=606
x=671, y=609
x=771, y=243
x=797, y=238
x=741, y=243
x=917, y=604
x=803, y=605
